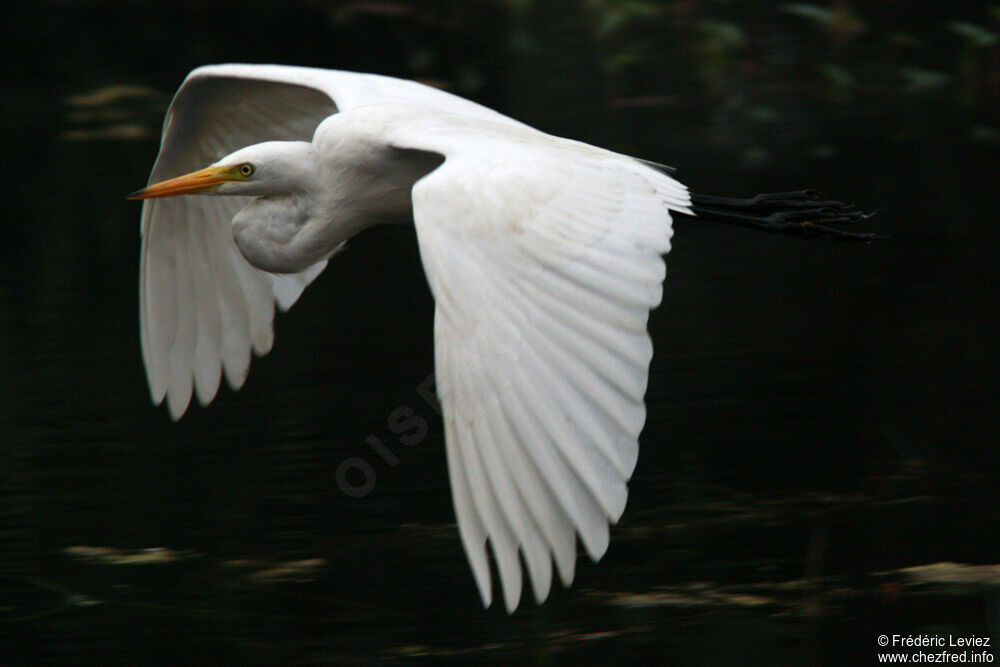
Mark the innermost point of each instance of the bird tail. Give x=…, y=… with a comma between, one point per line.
x=803, y=213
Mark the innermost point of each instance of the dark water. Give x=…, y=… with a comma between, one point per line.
x=821, y=415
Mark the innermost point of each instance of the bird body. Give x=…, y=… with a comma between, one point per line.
x=544, y=256
x=376, y=155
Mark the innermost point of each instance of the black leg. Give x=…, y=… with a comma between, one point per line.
x=804, y=213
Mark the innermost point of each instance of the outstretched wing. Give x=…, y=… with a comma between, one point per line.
x=203, y=307
x=544, y=257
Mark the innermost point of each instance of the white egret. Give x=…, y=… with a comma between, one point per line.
x=544, y=256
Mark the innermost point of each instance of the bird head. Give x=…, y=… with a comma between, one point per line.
x=269, y=168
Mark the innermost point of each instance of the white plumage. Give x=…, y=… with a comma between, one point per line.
x=544, y=256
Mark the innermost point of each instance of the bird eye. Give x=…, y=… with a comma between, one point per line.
x=246, y=170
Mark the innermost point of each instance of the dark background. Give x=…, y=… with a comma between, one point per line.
x=821, y=415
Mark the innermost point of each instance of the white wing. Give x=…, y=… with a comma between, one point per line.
x=544, y=257
x=203, y=308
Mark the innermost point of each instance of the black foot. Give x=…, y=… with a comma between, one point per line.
x=804, y=213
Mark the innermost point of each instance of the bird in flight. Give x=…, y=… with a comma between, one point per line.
x=544, y=256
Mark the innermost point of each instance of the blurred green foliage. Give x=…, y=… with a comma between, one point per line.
x=762, y=79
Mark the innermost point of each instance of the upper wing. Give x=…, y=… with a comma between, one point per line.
x=203, y=307
x=544, y=257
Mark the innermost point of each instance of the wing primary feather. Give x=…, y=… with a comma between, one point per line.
x=576, y=500
x=181, y=383
x=547, y=528
x=547, y=531
x=491, y=453
x=592, y=457
x=488, y=506
x=208, y=346
x=257, y=296
x=577, y=334
x=545, y=503
x=579, y=450
x=470, y=526
x=157, y=306
x=235, y=342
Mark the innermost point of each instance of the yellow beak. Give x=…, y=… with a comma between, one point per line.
x=204, y=180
